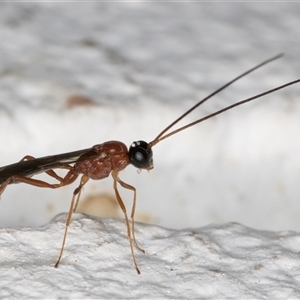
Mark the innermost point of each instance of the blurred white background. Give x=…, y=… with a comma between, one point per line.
x=135, y=67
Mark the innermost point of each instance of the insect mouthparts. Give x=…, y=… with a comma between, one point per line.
x=140, y=155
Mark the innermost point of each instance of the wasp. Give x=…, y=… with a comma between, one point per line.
x=109, y=158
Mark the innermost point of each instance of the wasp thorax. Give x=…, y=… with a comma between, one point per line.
x=140, y=155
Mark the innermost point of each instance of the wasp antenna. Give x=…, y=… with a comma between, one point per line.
x=158, y=138
x=227, y=108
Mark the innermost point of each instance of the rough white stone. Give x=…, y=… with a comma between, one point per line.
x=212, y=262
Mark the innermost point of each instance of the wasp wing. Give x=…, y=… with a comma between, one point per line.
x=29, y=168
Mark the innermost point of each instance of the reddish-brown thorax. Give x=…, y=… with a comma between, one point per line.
x=112, y=155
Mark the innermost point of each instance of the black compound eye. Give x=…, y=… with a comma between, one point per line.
x=140, y=155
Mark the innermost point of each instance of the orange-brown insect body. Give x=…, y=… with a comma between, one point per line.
x=112, y=155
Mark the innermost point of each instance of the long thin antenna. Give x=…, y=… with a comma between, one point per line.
x=223, y=110
x=155, y=141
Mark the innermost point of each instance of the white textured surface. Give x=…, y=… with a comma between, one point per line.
x=143, y=64
x=212, y=262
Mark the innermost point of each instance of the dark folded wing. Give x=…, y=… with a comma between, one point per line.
x=31, y=167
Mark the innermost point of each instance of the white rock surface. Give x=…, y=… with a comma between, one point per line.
x=213, y=262
x=142, y=65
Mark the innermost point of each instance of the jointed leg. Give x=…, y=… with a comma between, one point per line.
x=130, y=231
x=4, y=185
x=68, y=179
x=35, y=182
x=83, y=181
x=130, y=187
x=49, y=172
x=76, y=192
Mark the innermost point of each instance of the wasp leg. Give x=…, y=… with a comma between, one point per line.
x=130, y=187
x=49, y=172
x=130, y=232
x=77, y=193
x=68, y=179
